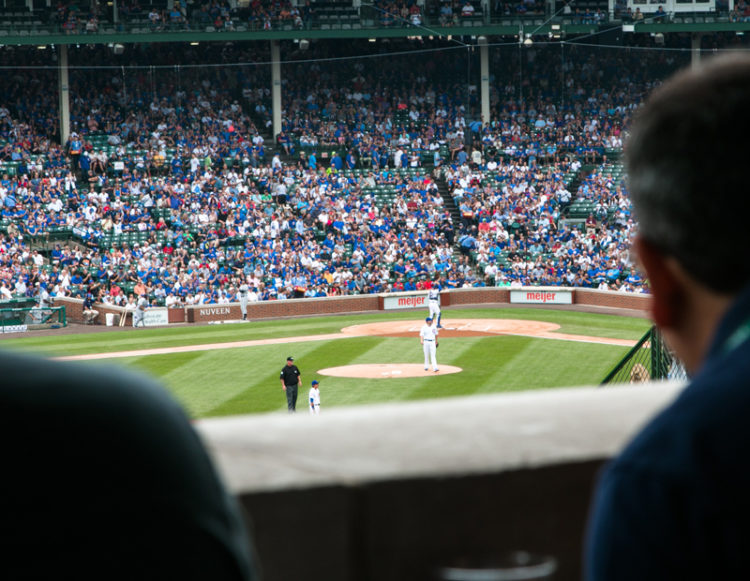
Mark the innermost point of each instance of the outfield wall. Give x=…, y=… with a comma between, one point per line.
x=546, y=296
x=395, y=491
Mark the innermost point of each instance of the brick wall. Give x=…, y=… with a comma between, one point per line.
x=358, y=304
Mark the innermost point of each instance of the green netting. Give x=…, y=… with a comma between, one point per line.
x=649, y=360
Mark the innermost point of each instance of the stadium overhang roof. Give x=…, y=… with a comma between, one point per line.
x=504, y=28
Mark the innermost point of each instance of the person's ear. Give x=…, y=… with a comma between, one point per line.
x=667, y=291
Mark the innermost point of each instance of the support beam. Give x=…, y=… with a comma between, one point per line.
x=695, y=49
x=484, y=70
x=276, y=87
x=64, y=93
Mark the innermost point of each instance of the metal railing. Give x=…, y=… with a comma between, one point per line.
x=19, y=319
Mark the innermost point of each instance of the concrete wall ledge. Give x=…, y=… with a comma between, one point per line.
x=479, y=434
x=393, y=491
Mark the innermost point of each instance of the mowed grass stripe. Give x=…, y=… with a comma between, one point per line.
x=540, y=363
x=264, y=394
x=210, y=379
x=354, y=391
x=491, y=357
x=164, y=365
x=390, y=350
x=136, y=339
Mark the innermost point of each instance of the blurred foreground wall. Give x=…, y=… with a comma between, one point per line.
x=394, y=492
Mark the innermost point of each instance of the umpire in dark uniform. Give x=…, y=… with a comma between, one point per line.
x=290, y=382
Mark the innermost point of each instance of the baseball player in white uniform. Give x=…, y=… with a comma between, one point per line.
x=243, y=292
x=428, y=336
x=139, y=314
x=314, y=399
x=45, y=302
x=43, y=297
x=433, y=302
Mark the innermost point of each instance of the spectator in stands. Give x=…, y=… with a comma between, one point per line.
x=89, y=312
x=467, y=10
x=92, y=25
x=673, y=504
x=446, y=14
x=155, y=19
x=177, y=16
x=140, y=489
x=5, y=292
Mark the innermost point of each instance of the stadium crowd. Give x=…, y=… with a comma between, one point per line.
x=168, y=188
x=71, y=18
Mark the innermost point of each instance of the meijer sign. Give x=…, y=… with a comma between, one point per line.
x=404, y=302
x=538, y=297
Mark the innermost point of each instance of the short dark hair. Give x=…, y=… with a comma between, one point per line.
x=688, y=176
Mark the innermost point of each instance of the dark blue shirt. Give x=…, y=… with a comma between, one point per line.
x=675, y=503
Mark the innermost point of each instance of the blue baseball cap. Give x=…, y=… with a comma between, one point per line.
x=428, y=319
x=315, y=382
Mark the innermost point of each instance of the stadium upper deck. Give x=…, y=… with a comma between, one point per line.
x=127, y=21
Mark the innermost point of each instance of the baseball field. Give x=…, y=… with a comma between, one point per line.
x=233, y=368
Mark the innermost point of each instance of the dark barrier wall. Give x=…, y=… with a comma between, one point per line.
x=395, y=491
x=404, y=530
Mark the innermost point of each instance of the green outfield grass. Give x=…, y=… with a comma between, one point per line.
x=246, y=379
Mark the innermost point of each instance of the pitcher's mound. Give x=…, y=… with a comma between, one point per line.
x=387, y=370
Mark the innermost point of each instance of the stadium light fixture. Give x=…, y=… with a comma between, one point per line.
x=372, y=39
x=194, y=43
x=42, y=47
